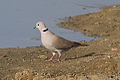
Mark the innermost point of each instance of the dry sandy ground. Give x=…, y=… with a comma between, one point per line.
x=98, y=61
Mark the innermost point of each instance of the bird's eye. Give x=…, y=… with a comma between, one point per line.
x=38, y=24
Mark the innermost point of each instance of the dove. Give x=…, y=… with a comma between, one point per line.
x=54, y=43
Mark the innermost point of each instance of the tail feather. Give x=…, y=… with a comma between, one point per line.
x=79, y=44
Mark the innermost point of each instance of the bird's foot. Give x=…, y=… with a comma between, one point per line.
x=59, y=59
x=51, y=58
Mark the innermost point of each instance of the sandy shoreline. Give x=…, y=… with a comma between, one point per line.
x=100, y=60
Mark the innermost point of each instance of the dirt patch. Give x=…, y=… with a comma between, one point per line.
x=98, y=61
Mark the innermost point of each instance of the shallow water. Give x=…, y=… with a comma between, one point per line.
x=18, y=17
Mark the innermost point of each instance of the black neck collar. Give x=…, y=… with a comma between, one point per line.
x=45, y=30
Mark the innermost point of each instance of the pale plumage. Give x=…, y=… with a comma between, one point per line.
x=53, y=42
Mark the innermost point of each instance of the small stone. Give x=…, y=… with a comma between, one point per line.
x=109, y=56
x=38, y=78
x=97, y=23
x=42, y=57
x=114, y=49
x=25, y=75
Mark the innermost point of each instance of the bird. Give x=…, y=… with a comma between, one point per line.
x=54, y=42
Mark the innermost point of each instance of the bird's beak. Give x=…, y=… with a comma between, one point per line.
x=34, y=27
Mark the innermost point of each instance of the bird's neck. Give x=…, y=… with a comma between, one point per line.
x=45, y=30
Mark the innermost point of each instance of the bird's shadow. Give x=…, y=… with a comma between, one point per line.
x=87, y=55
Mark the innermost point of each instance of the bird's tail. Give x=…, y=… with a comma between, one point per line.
x=79, y=44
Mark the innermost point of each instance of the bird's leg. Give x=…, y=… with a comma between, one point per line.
x=59, y=57
x=51, y=58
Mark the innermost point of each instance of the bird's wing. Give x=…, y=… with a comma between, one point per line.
x=61, y=43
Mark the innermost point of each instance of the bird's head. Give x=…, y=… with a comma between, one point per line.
x=41, y=26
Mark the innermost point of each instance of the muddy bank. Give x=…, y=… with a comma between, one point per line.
x=98, y=61
x=102, y=24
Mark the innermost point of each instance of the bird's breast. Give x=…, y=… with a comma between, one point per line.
x=47, y=41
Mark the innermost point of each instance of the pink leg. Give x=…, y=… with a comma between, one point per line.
x=59, y=58
x=51, y=58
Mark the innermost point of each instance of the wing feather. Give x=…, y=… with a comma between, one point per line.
x=61, y=43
